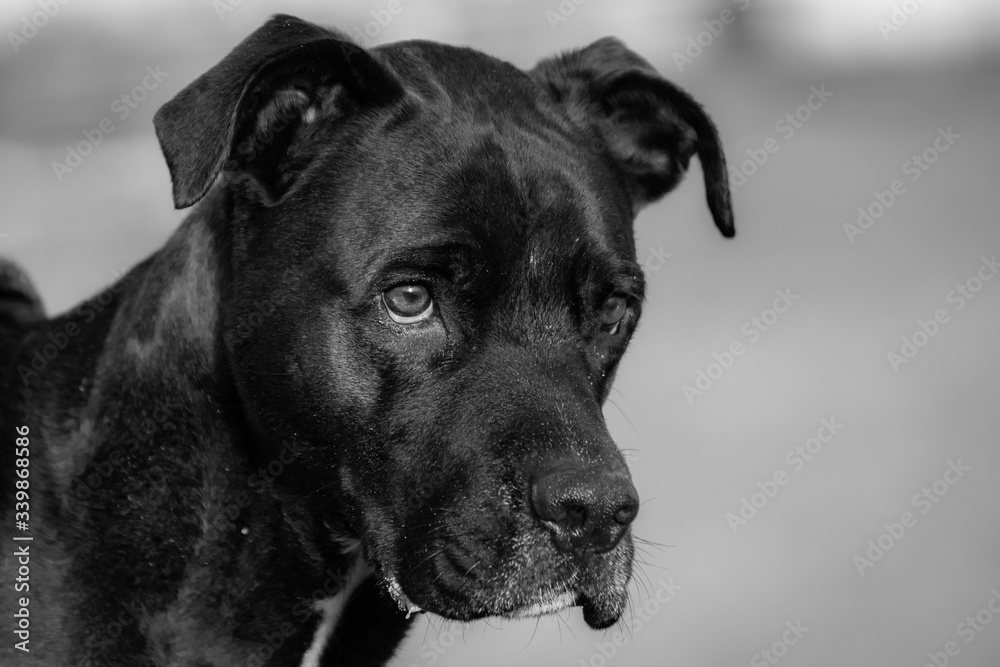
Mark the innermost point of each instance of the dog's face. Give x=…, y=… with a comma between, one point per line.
x=457, y=285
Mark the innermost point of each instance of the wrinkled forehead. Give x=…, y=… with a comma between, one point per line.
x=485, y=153
x=501, y=191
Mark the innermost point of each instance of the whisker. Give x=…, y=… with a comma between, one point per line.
x=532, y=638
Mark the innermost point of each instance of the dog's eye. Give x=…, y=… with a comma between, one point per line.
x=613, y=312
x=407, y=304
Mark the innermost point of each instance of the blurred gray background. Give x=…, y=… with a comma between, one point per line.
x=886, y=80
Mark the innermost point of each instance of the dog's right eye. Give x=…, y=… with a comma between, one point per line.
x=613, y=312
x=408, y=304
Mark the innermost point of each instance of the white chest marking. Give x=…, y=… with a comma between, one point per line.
x=332, y=608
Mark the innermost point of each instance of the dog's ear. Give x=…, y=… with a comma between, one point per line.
x=649, y=126
x=243, y=113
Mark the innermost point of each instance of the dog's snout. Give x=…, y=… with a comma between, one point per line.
x=586, y=510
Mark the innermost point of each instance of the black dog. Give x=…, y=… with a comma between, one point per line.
x=365, y=376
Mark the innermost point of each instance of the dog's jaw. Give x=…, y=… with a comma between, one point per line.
x=556, y=603
x=549, y=604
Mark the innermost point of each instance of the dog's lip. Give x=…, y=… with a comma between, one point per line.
x=397, y=594
x=602, y=612
x=541, y=581
x=557, y=603
x=551, y=604
x=555, y=600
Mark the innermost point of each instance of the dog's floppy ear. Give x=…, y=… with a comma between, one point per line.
x=649, y=126
x=242, y=113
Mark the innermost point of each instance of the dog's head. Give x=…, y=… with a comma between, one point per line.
x=438, y=247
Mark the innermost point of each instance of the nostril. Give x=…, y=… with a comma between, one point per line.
x=576, y=514
x=586, y=510
x=626, y=513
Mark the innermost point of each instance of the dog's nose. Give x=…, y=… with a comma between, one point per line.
x=586, y=510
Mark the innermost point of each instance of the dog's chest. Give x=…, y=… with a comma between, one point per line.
x=332, y=610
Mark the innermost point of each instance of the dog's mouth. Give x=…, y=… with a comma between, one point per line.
x=599, y=613
x=523, y=588
x=505, y=540
x=547, y=604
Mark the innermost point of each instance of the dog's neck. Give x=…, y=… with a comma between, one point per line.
x=118, y=337
x=154, y=341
